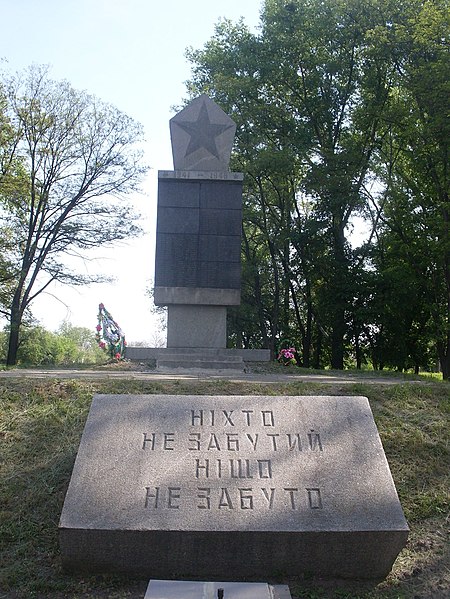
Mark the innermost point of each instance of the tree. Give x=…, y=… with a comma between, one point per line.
x=83, y=340
x=414, y=167
x=11, y=177
x=78, y=159
x=67, y=346
x=307, y=93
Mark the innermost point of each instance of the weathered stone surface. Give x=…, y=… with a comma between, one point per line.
x=182, y=589
x=231, y=488
x=199, y=360
x=156, y=353
x=205, y=296
x=196, y=326
x=202, y=135
x=197, y=175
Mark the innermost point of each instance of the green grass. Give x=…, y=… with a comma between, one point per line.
x=41, y=422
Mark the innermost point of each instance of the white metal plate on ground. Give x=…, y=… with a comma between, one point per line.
x=182, y=589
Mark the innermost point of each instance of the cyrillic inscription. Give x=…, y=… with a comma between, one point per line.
x=234, y=455
x=244, y=498
x=230, y=417
x=222, y=441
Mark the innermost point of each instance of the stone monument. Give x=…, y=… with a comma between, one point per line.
x=231, y=489
x=198, y=234
x=210, y=488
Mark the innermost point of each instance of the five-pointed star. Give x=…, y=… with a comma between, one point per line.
x=203, y=133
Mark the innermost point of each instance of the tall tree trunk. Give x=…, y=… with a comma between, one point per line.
x=339, y=292
x=15, y=322
x=337, y=338
x=444, y=346
x=358, y=353
x=261, y=319
x=308, y=337
x=317, y=358
x=276, y=302
x=444, y=358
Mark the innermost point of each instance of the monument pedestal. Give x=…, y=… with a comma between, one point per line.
x=161, y=353
x=231, y=488
x=196, y=326
x=200, y=359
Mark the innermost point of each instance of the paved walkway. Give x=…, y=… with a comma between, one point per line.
x=206, y=375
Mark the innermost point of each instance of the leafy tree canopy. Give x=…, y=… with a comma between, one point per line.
x=68, y=160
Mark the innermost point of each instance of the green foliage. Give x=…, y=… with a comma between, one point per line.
x=296, y=91
x=342, y=111
x=68, y=346
x=65, y=160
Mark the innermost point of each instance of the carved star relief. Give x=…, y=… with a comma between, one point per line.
x=203, y=133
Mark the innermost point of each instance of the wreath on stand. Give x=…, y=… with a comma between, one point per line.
x=109, y=335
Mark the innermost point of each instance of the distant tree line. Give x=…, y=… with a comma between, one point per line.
x=68, y=346
x=342, y=111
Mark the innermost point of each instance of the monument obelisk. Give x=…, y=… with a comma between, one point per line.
x=198, y=235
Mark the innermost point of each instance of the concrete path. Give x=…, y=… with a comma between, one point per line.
x=206, y=375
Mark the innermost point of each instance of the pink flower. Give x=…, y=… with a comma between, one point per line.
x=98, y=327
x=102, y=345
x=117, y=356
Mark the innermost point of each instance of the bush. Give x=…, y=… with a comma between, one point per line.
x=69, y=345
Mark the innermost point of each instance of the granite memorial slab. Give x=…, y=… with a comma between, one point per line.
x=231, y=488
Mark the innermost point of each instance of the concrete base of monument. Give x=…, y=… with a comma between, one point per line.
x=196, y=326
x=231, y=488
x=197, y=358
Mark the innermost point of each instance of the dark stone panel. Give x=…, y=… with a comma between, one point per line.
x=219, y=275
x=176, y=273
x=198, y=234
x=220, y=222
x=176, y=247
x=177, y=220
x=184, y=275
x=176, y=260
x=219, y=248
x=223, y=195
x=185, y=194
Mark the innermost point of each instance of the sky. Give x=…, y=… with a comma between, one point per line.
x=129, y=53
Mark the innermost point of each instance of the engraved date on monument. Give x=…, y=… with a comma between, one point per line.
x=231, y=498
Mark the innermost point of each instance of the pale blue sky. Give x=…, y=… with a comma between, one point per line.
x=129, y=53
